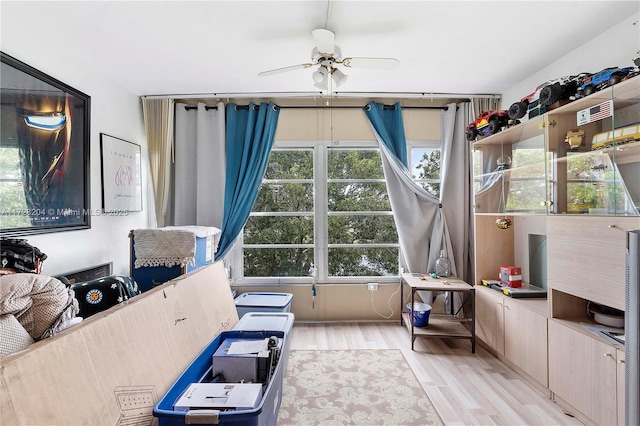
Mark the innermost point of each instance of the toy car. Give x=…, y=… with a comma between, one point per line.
x=547, y=94
x=489, y=123
x=605, y=78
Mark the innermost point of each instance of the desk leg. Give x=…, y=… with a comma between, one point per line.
x=472, y=293
x=411, y=321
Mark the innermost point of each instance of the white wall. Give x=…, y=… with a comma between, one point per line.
x=616, y=47
x=114, y=111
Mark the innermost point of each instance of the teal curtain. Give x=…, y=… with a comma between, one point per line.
x=250, y=133
x=387, y=122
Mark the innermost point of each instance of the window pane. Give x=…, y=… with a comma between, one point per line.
x=354, y=164
x=278, y=262
x=362, y=230
x=353, y=197
x=583, y=196
x=284, y=197
x=528, y=163
x=526, y=195
x=284, y=164
x=279, y=230
x=425, y=163
x=345, y=262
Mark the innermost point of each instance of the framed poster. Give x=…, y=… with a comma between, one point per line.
x=44, y=152
x=121, y=175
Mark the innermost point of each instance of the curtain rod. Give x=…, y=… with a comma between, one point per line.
x=207, y=108
x=405, y=95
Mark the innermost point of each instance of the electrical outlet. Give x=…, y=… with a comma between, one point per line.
x=373, y=286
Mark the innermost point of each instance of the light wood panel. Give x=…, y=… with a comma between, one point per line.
x=620, y=392
x=515, y=331
x=586, y=257
x=494, y=247
x=465, y=388
x=582, y=372
x=489, y=318
x=525, y=339
x=339, y=302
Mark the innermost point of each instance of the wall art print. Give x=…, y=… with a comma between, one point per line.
x=121, y=175
x=44, y=152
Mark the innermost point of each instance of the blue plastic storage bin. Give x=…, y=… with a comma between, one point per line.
x=200, y=371
x=148, y=277
x=263, y=302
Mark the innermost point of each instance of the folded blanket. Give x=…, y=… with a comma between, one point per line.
x=199, y=232
x=14, y=336
x=37, y=302
x=157, y=247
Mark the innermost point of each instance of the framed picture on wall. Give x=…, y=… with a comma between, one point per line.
x=121, y=175
x=44, y=152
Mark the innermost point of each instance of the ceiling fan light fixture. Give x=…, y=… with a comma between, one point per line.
x=320, y=77
x=339, y=77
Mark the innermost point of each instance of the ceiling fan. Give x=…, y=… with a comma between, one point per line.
x=326, y=55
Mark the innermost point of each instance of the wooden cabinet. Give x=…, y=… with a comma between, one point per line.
x=583, y=201
x=490, y=318
x=515, y=330
x=525, y=337
x=583, y=372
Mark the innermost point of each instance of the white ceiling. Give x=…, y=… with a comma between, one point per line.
x=194, y=47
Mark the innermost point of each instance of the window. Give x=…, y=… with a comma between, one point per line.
x=424, y=164
x=361, y=235
x=325, y=206
x=278, y=239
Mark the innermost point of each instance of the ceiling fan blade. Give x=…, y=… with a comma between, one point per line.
x=284, y=69
x=325, y=40
x=373, y=63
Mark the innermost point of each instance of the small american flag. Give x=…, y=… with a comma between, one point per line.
x=595, y=113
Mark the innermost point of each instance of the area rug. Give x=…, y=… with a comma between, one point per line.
x=358, y=387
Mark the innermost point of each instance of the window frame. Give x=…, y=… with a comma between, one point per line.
x=321, y=245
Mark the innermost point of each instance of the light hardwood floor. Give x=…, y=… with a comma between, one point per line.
x=465, y=388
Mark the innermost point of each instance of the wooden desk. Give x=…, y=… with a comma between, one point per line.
x=442, y=325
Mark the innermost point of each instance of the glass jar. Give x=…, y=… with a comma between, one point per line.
x=443, y=265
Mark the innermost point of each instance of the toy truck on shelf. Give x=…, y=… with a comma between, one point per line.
x=605, y=78
x=489, y=123
x=546, y=94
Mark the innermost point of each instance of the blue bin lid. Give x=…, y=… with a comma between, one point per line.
x=265, y=300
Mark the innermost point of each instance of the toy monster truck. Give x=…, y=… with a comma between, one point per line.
x=489, y=123
x=547, y=94
x=605, y=78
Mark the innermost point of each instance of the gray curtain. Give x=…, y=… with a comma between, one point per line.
x=425, y=224
x=199, y=172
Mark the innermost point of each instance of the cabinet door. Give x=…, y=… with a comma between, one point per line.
x=621, y=385
x=489, y=319
x=525, y=341
x=582, y=372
